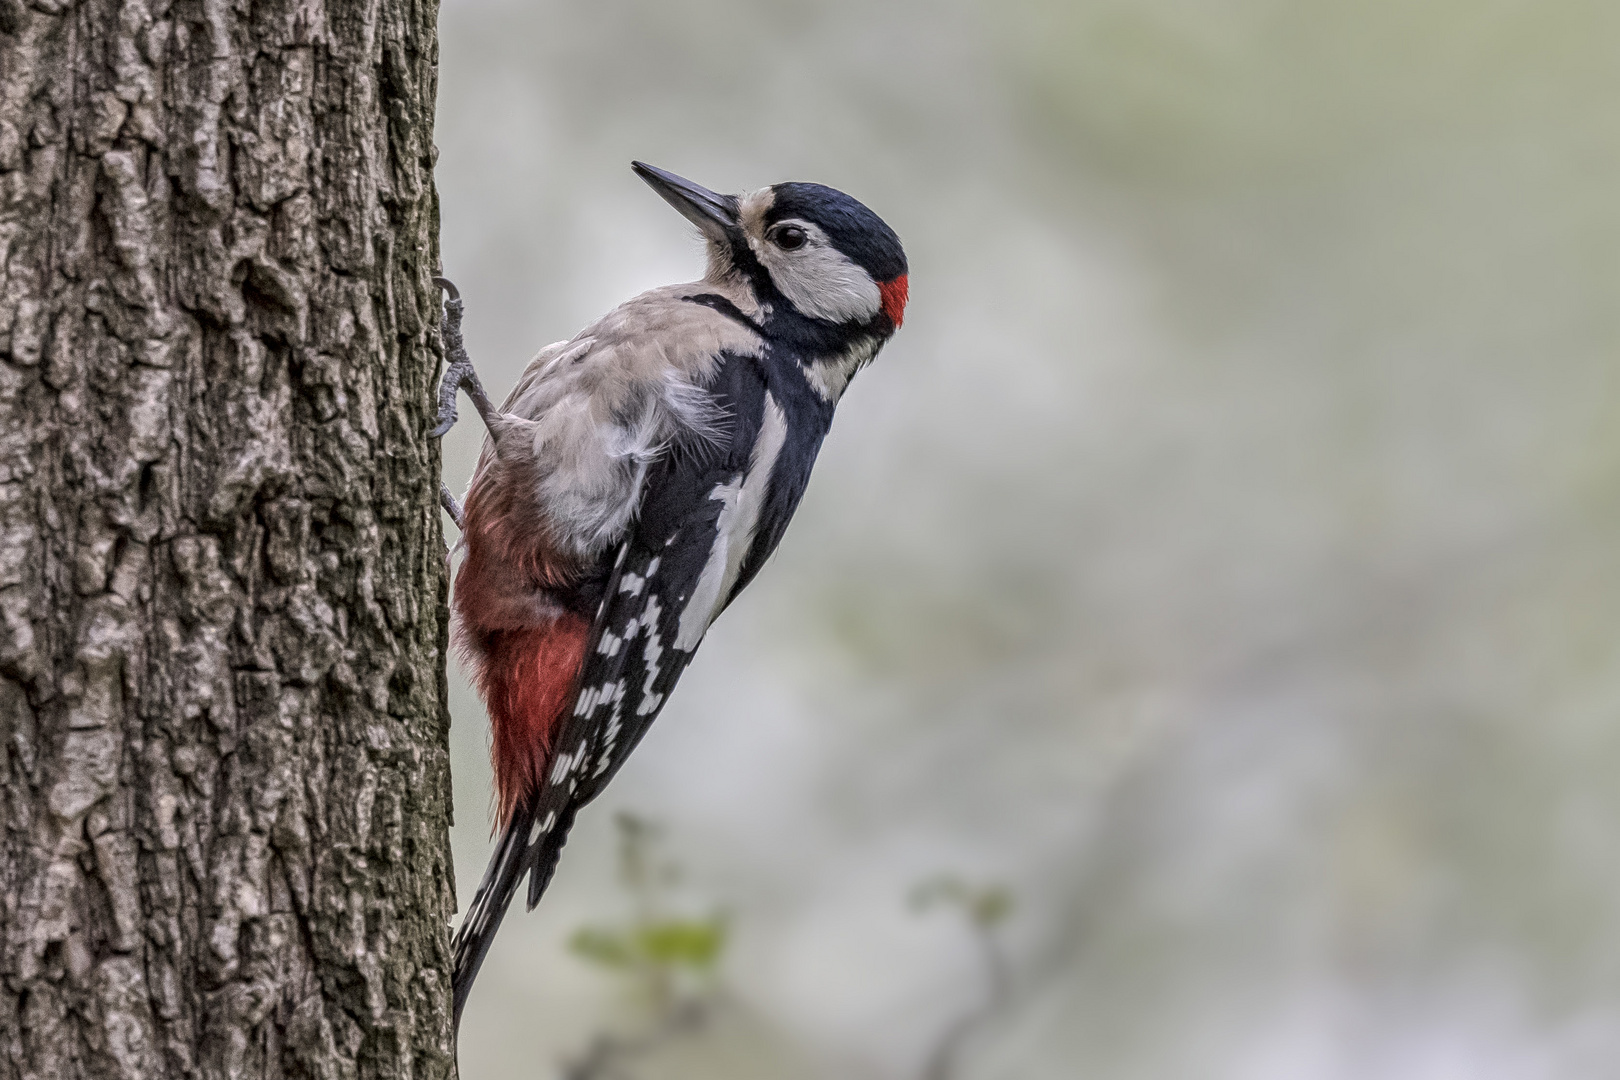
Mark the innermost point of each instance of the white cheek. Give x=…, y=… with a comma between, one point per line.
x=822, y=282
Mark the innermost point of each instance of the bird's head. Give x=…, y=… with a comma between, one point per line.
x=810, y=247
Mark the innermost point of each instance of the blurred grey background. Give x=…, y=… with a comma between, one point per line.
x=1225, y=558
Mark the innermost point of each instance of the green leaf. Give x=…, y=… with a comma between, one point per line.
x=603, y=947
x=695, y=944
x=991, y=906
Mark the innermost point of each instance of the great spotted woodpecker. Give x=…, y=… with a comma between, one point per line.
x=634, y=482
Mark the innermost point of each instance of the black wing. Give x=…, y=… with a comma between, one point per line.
x=631, y=660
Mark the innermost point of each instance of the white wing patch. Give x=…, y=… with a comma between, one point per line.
x=594, y=697
x=650, y=656
x=743, y=497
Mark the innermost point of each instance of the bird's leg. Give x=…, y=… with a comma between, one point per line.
x=451, y=507
x=458, y=373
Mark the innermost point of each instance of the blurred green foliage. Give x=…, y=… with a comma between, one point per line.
x=655, y=947
x=673, y=944
x=985, y=906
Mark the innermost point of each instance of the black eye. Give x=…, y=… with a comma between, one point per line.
x=790, y=237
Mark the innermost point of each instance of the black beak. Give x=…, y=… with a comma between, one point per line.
x=714, y=214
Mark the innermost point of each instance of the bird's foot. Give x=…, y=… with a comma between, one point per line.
x=458, y=372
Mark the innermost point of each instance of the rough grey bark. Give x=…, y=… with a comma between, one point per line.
x=222, y=619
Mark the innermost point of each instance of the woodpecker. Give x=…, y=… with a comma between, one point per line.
x=633, y=483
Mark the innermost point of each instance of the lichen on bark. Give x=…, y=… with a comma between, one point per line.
x=222, y=580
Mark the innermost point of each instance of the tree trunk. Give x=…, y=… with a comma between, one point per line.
x=222, y=580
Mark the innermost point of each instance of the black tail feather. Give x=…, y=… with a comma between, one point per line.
x=515, y=856
x=544, y=862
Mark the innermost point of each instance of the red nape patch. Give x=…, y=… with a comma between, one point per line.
x=525, y=678
x=894, y=295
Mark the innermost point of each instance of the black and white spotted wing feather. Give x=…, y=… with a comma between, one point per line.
x=633, y=659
